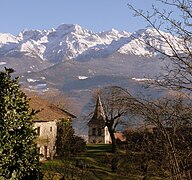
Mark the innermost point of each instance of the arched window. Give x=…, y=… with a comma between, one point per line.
x=99, y=132
x=94, y=131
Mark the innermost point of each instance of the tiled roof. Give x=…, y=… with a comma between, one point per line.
x=119, y=136
x=48, y=111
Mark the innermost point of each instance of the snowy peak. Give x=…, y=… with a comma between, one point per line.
x=6, y=38
x=71, y=41
x=71, y=28
x=145, y=41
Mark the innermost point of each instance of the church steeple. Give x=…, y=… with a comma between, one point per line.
x=98, y=132
x=99, y=114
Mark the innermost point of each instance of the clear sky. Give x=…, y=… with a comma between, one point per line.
x=95, y=15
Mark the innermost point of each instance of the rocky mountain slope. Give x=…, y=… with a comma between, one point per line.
x=76, y=61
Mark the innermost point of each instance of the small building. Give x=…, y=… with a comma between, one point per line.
x=97, y=131
x=45, y=123
x=119, y=136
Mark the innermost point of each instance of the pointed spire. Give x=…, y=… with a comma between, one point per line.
x=99, y=114
x=99, y=111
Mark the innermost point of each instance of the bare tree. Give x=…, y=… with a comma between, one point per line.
x=115, y=102
x=172, y=121
x=174, y=124
x=179, y=72
x=172, y=118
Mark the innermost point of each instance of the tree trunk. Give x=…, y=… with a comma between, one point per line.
x=113, y=140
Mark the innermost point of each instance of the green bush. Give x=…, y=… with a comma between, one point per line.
x=67, y=142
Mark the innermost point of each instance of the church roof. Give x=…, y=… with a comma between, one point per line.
x=99, y=115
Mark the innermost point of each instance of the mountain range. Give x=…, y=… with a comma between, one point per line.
x=71, y=41
x=76, y=61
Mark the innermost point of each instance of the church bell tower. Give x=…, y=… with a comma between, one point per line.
x=98, y=132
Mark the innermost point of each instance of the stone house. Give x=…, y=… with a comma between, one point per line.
x=97, y=131
x=45, y=123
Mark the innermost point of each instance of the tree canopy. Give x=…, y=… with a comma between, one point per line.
x=19, y=158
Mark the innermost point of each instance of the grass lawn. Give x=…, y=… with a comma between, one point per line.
x=93, y=164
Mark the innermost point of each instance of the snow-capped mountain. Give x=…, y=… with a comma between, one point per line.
x=71, y=41
x=76, y=61
x=71, y=54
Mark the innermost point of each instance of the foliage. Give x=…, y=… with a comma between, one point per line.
x=19, y=158
x=150, y=150
x=67, y=142
x=79, y=144
x=169, y=144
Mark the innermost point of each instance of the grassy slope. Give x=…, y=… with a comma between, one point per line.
x=94, y=164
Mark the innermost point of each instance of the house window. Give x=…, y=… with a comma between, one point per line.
x=51, y=129
x=39, y=150
x=99, y=132
x=45, y=151
x=94, y=131
x=38, y=131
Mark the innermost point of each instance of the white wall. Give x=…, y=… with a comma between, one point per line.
x=46, y=138
x=103, y=139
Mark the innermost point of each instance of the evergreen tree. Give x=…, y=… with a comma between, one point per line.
x=65, y=133
x=67, y=142
x=19, y=158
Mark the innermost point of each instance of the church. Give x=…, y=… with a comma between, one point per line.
x=98, y=133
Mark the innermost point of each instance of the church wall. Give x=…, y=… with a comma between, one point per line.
x=107, y=136
x=98, y=135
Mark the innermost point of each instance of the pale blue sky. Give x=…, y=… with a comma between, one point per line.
x=95, y=15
